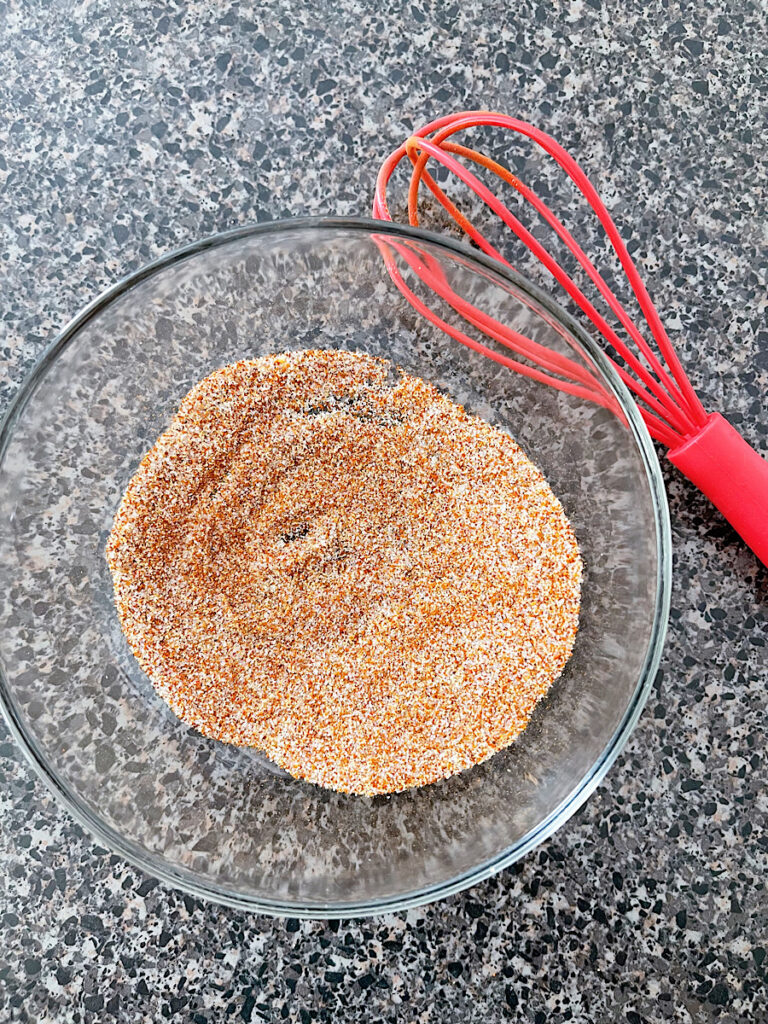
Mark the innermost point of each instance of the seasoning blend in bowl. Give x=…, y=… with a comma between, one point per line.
x=327, y=559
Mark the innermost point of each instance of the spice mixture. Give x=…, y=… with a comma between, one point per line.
x=330, y=561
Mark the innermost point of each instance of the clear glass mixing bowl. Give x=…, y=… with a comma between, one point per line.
x=222, y=822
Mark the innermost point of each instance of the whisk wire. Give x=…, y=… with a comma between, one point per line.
x=676, y=415
x=616, y=307
x=470, y=119
x=428, y=271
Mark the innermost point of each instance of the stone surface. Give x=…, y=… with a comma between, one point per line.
x=128, y=129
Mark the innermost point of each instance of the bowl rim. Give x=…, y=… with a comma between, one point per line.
x=186, y=880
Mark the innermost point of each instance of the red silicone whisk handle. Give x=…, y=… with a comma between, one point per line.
x=733, y=476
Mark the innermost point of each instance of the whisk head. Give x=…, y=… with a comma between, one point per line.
x=651, y=370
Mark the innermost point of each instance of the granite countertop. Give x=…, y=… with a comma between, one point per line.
x=127, y=129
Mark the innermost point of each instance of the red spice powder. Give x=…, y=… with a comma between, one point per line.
x=354, y=576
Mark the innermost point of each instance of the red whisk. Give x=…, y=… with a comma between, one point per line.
x=703, y=446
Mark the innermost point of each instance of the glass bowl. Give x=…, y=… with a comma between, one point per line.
x=222, y=822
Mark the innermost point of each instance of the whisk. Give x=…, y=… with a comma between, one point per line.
x=704, y=446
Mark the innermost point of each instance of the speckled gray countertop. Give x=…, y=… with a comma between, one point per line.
x=127, y=129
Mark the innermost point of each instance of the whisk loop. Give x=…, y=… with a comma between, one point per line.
x=703, y=446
